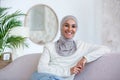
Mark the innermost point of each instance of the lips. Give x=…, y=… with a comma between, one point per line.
x=69, y=34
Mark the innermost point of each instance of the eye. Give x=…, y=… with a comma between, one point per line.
x=73, y=26
x=66, y=25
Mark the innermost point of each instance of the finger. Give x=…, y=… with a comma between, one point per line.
x=77, y=70
x=80, y=67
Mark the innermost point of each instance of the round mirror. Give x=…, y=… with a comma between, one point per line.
x=42, y=23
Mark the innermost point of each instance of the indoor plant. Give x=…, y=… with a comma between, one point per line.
x=7, y=22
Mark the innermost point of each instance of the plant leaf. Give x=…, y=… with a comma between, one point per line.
x=15, y=41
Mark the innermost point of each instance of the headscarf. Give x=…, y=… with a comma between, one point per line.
x=64, y=46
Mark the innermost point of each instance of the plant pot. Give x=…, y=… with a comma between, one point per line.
x=5, y=59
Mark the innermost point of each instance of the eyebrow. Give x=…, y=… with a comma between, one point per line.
x=68, y=23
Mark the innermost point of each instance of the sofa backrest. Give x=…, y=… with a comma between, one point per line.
x=21, y=68
x=105, y=68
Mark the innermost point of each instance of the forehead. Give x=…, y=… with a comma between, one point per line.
x=70, y=21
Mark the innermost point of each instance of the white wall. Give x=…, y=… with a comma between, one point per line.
x=111, y=25
x=84, y=10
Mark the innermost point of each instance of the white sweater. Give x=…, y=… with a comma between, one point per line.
x=52, y=62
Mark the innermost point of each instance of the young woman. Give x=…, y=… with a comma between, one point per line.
x=62, y=59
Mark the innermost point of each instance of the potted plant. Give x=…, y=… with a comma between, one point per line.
x=8, y=22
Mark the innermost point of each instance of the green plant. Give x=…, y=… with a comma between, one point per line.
x=7, y=22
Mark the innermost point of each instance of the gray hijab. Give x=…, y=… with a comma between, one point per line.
x=64, y=46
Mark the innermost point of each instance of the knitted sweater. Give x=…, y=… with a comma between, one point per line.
x=52, y=62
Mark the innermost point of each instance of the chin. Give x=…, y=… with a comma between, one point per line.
x=69, y=37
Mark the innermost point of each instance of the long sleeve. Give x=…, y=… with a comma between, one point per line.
x=46, y=66
x=95, y=51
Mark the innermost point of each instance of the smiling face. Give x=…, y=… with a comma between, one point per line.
x=69, y=29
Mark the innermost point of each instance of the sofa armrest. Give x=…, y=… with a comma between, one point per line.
x=105, y=68
x=21, y=68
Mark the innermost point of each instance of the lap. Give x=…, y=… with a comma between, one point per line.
x=45, y=76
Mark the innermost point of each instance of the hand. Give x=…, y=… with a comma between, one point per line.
x=81, y=63
x=79, y=67
x=75, y=70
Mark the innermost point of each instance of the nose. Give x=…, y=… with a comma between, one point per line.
x=70, y=28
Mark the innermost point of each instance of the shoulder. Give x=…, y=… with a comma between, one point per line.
x=90, y=45
x=50, y=45
x=80, y=42
x=84, y=44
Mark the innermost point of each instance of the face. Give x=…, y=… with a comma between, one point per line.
x=69, y=29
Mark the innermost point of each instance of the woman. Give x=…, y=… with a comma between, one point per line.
x=66, y=57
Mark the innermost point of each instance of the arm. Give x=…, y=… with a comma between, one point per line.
x=91, y=53
x=45, y=66
x=95, y=51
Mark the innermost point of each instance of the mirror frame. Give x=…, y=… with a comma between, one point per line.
x=26, y=19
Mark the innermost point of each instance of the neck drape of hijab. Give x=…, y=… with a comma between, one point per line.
x=64, y=46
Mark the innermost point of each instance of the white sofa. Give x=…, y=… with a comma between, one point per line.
x=104, y=68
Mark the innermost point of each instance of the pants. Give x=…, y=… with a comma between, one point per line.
x=44, y=76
